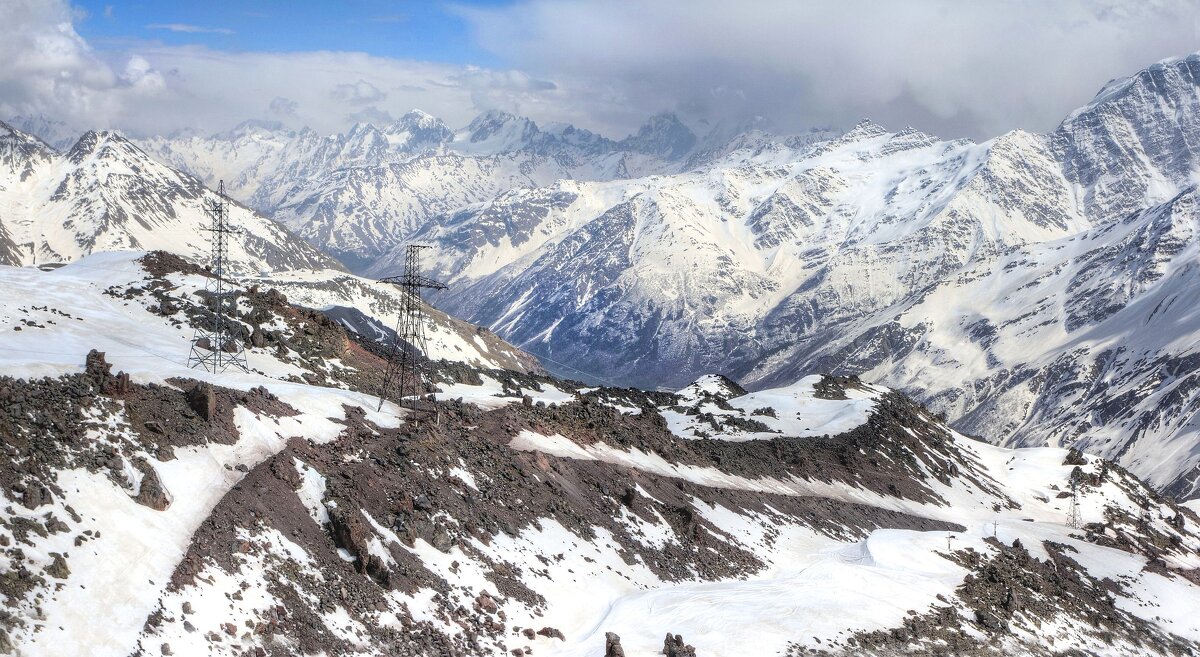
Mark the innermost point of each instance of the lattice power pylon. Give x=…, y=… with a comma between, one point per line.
x=1073, y=520
x=214, y=346
x=408, y=366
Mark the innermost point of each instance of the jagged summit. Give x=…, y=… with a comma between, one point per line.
x=499, y=131
x=664, y=135
x=252, y=127
x=1178, y=72
x=57, y=134
x=864, y=129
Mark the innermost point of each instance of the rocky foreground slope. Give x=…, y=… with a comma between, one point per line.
x=157, y=510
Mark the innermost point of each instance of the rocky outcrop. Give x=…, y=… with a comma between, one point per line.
x=612, y=645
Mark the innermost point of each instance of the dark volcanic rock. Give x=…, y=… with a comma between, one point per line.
x=673, y=646
x=203, y=401
x=152, y=493
x=612, y=645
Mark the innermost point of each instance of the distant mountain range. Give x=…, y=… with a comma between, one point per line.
x=1036, y=288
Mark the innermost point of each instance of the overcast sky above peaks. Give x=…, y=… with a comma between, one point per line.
x=953, y=68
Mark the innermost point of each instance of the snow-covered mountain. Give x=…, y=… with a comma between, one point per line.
x=1036, y=288
x=157, y=510
x=56, y=133
x=357, y=194
x=106, y=194
x=1011, y=284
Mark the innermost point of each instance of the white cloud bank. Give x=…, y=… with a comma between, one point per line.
x=952, y=68
x=151, y=88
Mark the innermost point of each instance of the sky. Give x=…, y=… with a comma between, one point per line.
x=955, y=68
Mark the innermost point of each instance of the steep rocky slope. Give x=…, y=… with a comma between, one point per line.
x=157, y=510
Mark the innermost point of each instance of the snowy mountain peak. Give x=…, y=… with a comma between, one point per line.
x=57, y=134
x=13, y=135
x=417, y=131
x=499, y=131
x=104, y=143
x=711, y=386
x=1128, y=148
x=664, y=135
x=863, y=130
x=22, y=153
x=1165, y=76
x=418, y=119
x=253, y=127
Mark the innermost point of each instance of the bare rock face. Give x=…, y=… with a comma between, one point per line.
x=612, y=645
x=152, y=493
x=36, y=495
x=673, y=646
x=203, y=400
x=97, y=369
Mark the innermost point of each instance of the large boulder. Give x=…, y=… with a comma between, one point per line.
x=203, y=400
x=612, y=645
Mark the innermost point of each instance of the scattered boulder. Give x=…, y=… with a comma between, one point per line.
x=58, y=567
x=203, y=400
x=612, y=645
x=673, y=646
x=96, y=369
x=152, y=493
x=119, y=385
x=36, y=495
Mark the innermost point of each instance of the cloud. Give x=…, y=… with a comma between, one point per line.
x=952, y=67
x=189, y=29
x=283, y=107
x=359, y=93
x=147, y=87
x=372, y=115
x=50, y=71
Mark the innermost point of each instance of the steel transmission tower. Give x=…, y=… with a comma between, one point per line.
x=214, y=347
x=408, y=365
x=1074, y=521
